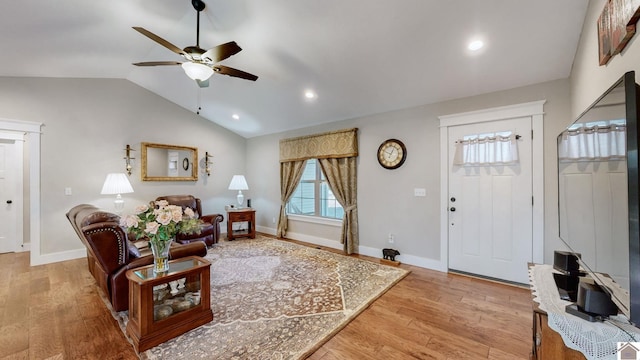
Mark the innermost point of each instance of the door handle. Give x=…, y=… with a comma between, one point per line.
x=9, y=201
x=452, y=209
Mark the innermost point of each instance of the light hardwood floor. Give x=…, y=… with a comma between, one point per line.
x=54, y=311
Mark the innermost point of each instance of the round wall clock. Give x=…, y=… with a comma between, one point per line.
x=392, y=153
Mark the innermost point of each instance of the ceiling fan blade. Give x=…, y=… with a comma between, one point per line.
x=159, y=40
x=222, y=52
x=225, y=70
x=203, y=84
x=156, y=63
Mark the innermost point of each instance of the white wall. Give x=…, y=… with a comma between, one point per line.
x=588, y=79
x=88, y=123
x=385, y=197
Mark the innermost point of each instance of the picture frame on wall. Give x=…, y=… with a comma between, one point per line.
x=621, y=13
x=616, y=26
x=632, y=11
x=604, y=35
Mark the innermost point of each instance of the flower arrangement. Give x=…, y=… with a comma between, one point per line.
x=162, y=222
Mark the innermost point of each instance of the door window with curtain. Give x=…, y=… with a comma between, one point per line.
x=498, y=148
x=313, y=197
x=593, y=141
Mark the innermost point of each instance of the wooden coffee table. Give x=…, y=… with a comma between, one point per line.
x=163, y=306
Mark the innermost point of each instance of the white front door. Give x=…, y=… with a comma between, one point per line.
x=490, y=217
x=10, y=195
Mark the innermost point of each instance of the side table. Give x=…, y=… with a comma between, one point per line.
x=247, y=215
x=163, y=306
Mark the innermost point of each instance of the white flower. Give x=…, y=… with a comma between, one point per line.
x=141, y=208
x=129, y=221
x=152, y=228
x=164, y=217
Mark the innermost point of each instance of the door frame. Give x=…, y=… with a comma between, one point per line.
x=535, y=110
x=18, y=143
x=31, y=132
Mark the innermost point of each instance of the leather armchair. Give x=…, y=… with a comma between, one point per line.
x=210, y=230
x=110, y=253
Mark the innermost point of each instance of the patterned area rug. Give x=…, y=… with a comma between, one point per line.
x=273, y=299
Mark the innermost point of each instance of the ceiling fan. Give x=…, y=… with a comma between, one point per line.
x=200, y=64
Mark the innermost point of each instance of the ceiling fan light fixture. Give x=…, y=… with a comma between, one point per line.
x=197, y=71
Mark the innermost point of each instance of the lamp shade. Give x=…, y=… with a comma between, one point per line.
x=238, y=182
x=197, y=71
x=116, y=183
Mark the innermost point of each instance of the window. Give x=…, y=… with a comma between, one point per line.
x=486, y=149
x=313, y=197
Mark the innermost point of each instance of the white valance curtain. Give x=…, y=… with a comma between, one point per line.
x=487, y=150
x=593, y=143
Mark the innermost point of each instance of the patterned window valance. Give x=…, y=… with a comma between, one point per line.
x=334, y=144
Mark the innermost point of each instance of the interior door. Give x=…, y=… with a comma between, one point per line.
x=490, y=207
x=8, y=196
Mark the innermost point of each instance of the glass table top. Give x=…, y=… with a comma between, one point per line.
x=174, y=266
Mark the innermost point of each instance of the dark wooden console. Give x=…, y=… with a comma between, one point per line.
x=547, y=343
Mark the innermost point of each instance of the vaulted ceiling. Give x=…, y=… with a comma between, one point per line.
x=360, y=57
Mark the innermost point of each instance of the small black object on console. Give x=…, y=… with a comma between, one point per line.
x=593, y=303
x=567, y=262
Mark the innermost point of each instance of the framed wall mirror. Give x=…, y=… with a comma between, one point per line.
x=161, y=162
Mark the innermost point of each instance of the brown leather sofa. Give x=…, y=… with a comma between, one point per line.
x=110, y=253
x=209, y=230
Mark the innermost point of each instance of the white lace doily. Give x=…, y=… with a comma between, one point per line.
x=596, y=340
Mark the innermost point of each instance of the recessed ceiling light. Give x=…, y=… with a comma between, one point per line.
x=310, y=94
x=475, y=45
x=235, y=117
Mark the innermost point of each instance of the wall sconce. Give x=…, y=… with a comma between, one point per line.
x=128, y=158
x=207, y=168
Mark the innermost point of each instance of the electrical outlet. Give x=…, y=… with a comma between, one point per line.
x=274, y=220
x=391, y=238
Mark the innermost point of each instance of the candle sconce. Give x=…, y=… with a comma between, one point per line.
x=128, y=158
x=207, y=163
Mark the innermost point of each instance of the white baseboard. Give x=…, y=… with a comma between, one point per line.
x=405, y=259
x=57, y=257
x=266, y=230
x=334, y=244
x=363, y=250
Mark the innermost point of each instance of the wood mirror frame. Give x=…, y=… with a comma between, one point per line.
x=161, y=162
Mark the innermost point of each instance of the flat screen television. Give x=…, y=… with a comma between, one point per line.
x=598, y=192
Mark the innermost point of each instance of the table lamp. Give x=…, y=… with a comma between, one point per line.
x=239, y=183
x=117, y=183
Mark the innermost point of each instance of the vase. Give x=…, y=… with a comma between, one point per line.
x=160, y=251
